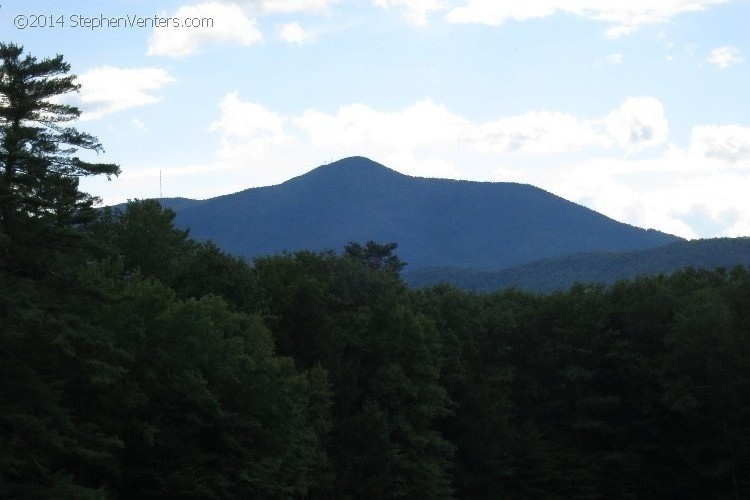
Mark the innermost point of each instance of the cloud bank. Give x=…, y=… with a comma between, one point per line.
x=624, y=16
x=108, y=89
x=724, y=57
x=228, y=24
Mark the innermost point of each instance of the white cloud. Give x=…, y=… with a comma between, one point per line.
x=667, y=43
x=730, y=143
x=426, y=127
x=664, y=193
x=290, y=6
x=719, y=198
x=422, y=166
x=248, y=129
x=294, y=33
x=624, y=15
x=244, y=120
x=107, y=89
x=615, y=58
x=494, y=13
x=137, y=124
x=537, y=133
x=637, y=124
x=356, y=126
x=414, y=11
x=723, y=57
x=230, y=25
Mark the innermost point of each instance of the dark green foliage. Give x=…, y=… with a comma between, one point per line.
x=217, y=414
x=54, y=368
x=147, y=240
x=211, y=271
x=39, y=197
x=125, y=383
x=383, y=358
x=49, y=354
x=376, y=256
x=207, y=410
x=121, y=384
x=144, y=237
x=478, y=379
x=126, y=373
x=637, y=391
x=116, y=387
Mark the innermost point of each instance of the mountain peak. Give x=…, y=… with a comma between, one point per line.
x=354, y=164
x=436, y=222
x=347, y=173
x=357, y=161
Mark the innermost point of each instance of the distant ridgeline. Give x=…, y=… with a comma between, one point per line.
x=597, y=267
x=472, y=234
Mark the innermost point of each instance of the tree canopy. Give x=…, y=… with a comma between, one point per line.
x=39, y=169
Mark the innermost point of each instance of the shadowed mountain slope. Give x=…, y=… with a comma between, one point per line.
x=436, y=222
x=560, y=273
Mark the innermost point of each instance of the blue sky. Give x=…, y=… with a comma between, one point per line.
x=638, y=109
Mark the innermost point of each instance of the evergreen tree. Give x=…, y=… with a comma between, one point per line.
x=39, y=172
x=378, y=256
x=53, y=365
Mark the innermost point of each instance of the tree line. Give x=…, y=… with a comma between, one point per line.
x=139, y=363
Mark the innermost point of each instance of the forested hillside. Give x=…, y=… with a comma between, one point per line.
x=158, y=367
x=138, y=363
x=437, y=222
x=606, y=268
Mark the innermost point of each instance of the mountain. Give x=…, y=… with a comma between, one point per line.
x=436, y=222
x=601, y=267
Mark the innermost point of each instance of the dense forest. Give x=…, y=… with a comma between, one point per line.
x=138, y=363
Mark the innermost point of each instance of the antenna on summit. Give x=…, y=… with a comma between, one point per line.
x=160, y=184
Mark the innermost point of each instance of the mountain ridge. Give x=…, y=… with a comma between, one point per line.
x=560, y=273
x=436, y=222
